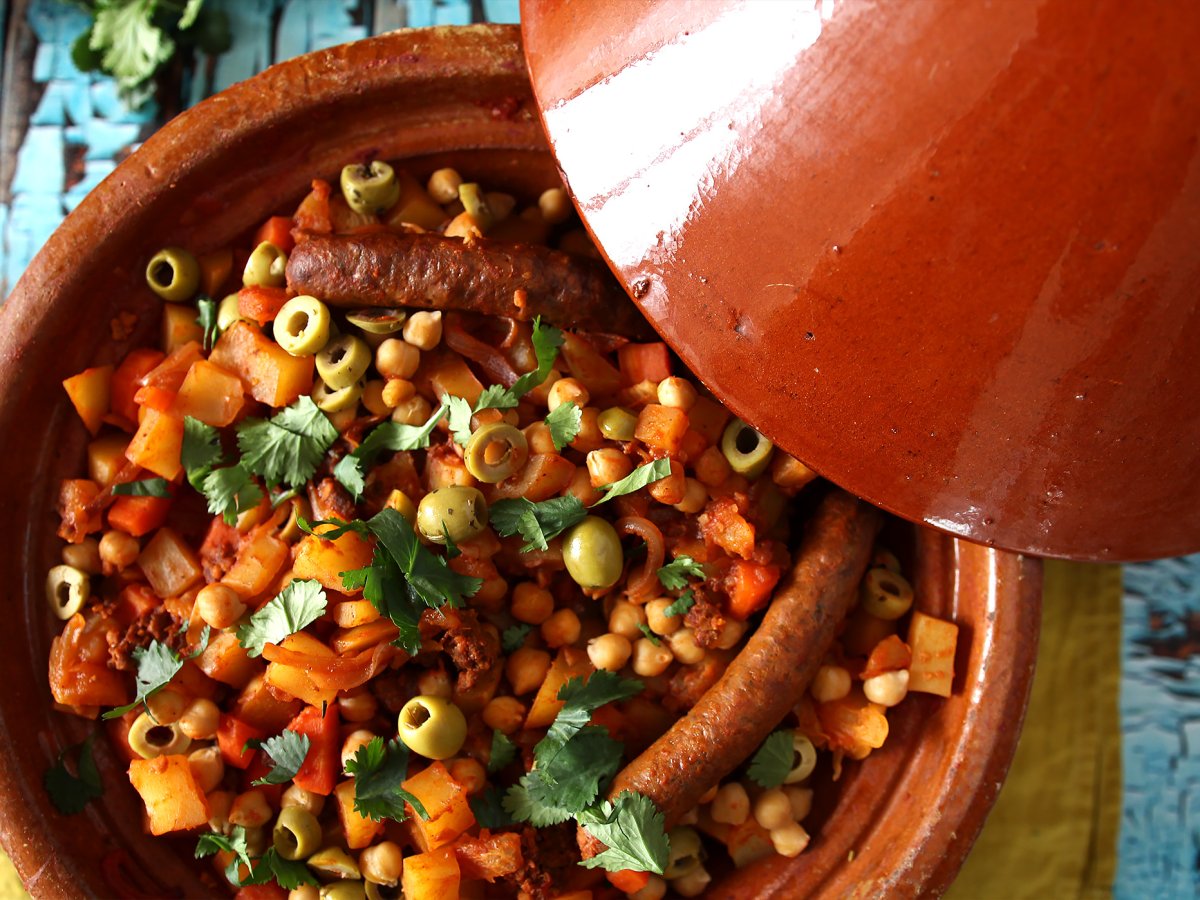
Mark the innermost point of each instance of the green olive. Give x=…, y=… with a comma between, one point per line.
x=173, y=274
x=344, y=890
x=805, y=759
x=370, y=189
x=334, y=861
x=685, y=854
x=383, y=892
x=332, y=401
x=432, y=726
x=302, y=326
x=343, y=361
x=476, y=205
x=299, y=508
x=377, y=321
x=297, y=833
x=266, y=267
x=617, y=423
x=149, y=739
x=496, y=451
x=885, y=594
x=458, y=511
x=67, y=589
x=227, y=312
x=592, y=553
x=748, y=451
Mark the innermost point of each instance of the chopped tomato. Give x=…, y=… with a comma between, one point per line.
x=749, y=586
x=313, y=213
x=278, y=231
x=232, y=735
x=80, y=514
x=261, y=303
x=628, y=880
x=644, y=362
x=127, y=379
x=324, y=761
x=890, y=655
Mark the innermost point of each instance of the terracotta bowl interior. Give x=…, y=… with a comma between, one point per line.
x=435, y=97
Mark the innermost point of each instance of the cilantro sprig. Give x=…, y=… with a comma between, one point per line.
x=157, y=664
x=512, y=638
x=773, y=760
x=634, y=831
x=564, y=422
x=538, y=522
x=681, y=604
x=288, y=447
x=379, y=772
x=675, y=574
x=230, y=490
x=294, y=608
x=71, y=793
x=388, y=436
x=288, y=874
x=636, y=480
x=287, y=750
x=504, y=751
x=147, y=487
x=206, y=318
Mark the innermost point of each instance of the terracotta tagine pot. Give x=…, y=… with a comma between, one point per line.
x=897, y=825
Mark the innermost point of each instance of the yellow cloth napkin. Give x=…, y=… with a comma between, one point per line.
x=1053, y=830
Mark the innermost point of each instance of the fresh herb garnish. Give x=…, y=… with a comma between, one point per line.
x=512, y=638
x=271, y=866
x=157, y=664
x=287, y=750
x=379, y=772
x=201, y=450
x=634, y=831
x=230, y=491
x=71, y=793
x=773, y=760
x=488, y=807
x=394, y=436
x=650, y=635
x=294, y=608
x=287, y=448
x=147, y=487
x=564, y=423
x=538, y=523
x=546, y=340
x=636, y=480
x=207, y=319
x=674, y=575
x=681, y=604
x=504, y=751
x=459, y=418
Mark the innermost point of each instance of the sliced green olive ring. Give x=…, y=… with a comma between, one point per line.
x=377, y=321
x=592, y=554
x=370, y=189
x=344, y=890
x=336, y=862
x=332, y=401
x=173, y=274
x=885, y=594
x=343, y=361
x=457, y=511
x=432, y=726
x=686, y=852
x=227, y=312
x=476, y=205
x=67, y=589
x=299, y=508
x=617, y=423
x=747, y=451
x=806, y=759
x=302, y=326
x=297, y=833
x=149, y=739
x=266, y=267
x=496, y=451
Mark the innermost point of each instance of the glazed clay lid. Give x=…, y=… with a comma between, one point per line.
x=945, y=253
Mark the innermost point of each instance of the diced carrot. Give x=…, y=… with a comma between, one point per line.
x=179, y=326
x=313, y=213
x=138, y=515
x=261, y=303
x=127, y=377
x=324, y=762
x=446, y=802
x=134, y=602
x=90, y=392
x=232, y=734
x=644, y=362
x=749, y=586
x=214, y=270
x=890, y=655
x=570, y=662
x=278, y=231
x=273, y=375
x=431, y=876
x=628, y=881
x=489, y=856
x=80, y=516
x=662, y=428
x=708, y=418
x=210, y=394
x=169, y=563
x=174, y=802
x=155, y=398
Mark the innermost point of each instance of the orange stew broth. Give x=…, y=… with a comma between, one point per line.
x=149, y=558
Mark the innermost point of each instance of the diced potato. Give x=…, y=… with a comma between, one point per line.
x=326, y=560
x=449, y=374
x=445, y=801
x=274, y=376
x=415, y=206
x=105, y=456
x=351, y=613
x=662, y=427
x=359, y=831
x=581, y=359
x=258, y=562
x=354, y=640
x=431, y=876
x=180, y=325
x=933, y=642
x=256, y=705
x=90, y=393
x=210, y=394
x=169, y=563
x=571, y=662
x=157, y=444
x=226, y=661
x=748, y=843
x=295, y=682
x=174, y=802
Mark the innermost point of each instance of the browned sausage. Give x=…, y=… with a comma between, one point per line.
x=771, y=673
x=438, y=272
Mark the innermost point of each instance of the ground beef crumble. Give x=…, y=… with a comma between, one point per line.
x=155, y=625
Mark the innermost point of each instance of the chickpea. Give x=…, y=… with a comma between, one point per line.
x=84, y=556
x=219, y=605
x=219, y=805
x=504, y=714
x=555, y=206
x=650, y=660
x=801, y=799
x=469, y=773
x=609, y=651
x=656, y=617
x=531, y=604
x=773, y=809
x=424, y=329
x=731, y=632
x=695, y=497
x=305, y=799
x=118, y=551
x=712, y=468
x=443, y=185
x=789, y=840
x=372, y=398
x=684, y=646
x=432, y=726
x=888, y=688
x=830, y=683
x=382, y=863
x=396, y=391
x=655, y=889
x=526, y=668
x=625, y=619
x=166, y=706
x=415, y=411
x=676, y=392
x=537, y=435
x=208, y=768
x=693, y=884
x=580, y=487
x=249, y=809
x=200, y=720
x=354, y=742
x=607, y=465
x=358, y=706
x=567, y=390
x=435, y=683
x=396, y=359
x=731, y=805
x=562, y=628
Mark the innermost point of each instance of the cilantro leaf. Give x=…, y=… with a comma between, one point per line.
x=379, y=771
x=132, y=47
x=459, y=419
x=674, y=575
x=201, y=450
x=394, y=436
x=288, y=874
x=633, y=830
x=636, y=480
x=428, y=578
x=157, y=664
x=270, y=866
x=235, y=843
x=538, y=523
x=339, y=528
x=289, y=447
x=773, y=760
x=207, y=320
x=230, y=491
x=288, y=751
x=564, y=423
x=571, y=777
x=546, y=341
x=147, y=487
x=580, y=700
x=504, y=751
x=294, y=608
x=71, y=793
x=488, y=808
x=529, y=801
x=512, y=639
x=650, y=635
x=681, y=604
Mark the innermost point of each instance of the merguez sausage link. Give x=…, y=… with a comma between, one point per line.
x=771, y=673
x=437, y=272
